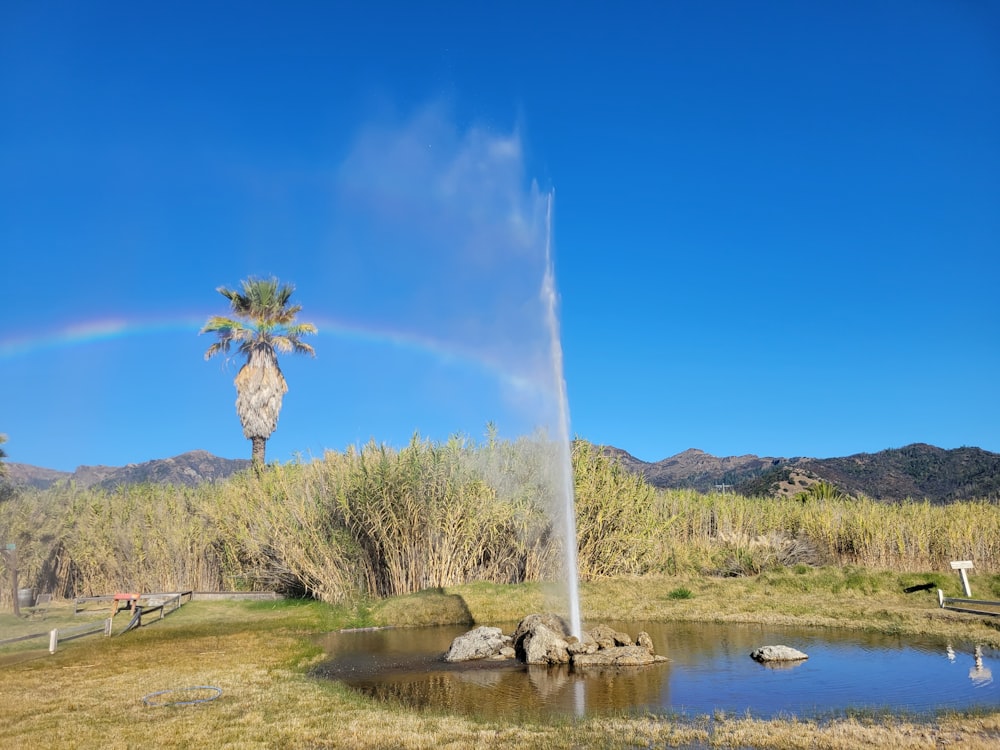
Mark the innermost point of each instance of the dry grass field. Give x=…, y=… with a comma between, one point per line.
x=451, y=533
x=90, y=693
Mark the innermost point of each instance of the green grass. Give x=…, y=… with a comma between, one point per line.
x=681, y=592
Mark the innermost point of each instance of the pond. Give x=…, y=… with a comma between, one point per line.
x=709, y=670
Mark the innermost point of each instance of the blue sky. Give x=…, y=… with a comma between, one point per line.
x=775, y=226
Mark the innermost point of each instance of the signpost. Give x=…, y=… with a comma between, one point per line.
x=961, y=566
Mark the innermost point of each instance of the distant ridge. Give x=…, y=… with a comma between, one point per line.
x=918, y=471
x=188, y=469
x=695, y=469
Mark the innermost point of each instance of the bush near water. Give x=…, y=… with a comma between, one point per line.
x=377, y=521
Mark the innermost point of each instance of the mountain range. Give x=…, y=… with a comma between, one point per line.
x=189, y=469
x=917, y=471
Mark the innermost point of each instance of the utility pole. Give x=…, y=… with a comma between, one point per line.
x=10, y=557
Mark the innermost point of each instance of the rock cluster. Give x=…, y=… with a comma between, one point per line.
x=545, y=639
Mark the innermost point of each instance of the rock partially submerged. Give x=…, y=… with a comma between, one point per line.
x=766, y=654
x=545, y=639
x=619, y=656
x=480, y=643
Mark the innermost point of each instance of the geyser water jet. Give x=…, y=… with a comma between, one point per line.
x=565, y=505
x=441, y=241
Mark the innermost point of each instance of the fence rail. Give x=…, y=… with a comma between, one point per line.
x=167, y=604
x=77, y=631
x=161, y=603
x=970, y=606
x=20, y=638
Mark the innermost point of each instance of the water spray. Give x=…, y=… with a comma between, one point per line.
x=567, y=515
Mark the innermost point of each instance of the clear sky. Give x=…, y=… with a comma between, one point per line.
x=775, y=225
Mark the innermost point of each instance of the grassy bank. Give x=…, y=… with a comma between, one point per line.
x=90, y=692
x=851, y=598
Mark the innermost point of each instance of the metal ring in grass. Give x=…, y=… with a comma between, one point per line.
x=181, y=693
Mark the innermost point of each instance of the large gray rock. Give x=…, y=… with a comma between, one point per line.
x=542, y=639
x=553, y=622
x=618, y=656
x=480, y=643
x=777, y=653
x=545, y=646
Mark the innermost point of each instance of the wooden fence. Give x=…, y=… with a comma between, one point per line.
x=157, y=607
x=78, y=631
x=162, y=603
x=157, y=604
x=972, y=606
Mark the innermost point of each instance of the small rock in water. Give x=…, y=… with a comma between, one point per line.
x=777, y=653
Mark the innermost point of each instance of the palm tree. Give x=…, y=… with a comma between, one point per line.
x=264, y=326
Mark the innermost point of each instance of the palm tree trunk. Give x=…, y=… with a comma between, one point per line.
x=257, y=454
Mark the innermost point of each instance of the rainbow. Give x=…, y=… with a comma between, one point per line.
x=115, y=328
x=106, y=329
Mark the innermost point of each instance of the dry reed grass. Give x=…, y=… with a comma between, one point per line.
x=375, y=522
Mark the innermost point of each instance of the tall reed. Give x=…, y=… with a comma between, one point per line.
x=378, y=521
x=424, y=517
x=618, y=528
x=139, y=537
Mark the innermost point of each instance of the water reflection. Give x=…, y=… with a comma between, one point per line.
x=710, y=669
x=980, y=675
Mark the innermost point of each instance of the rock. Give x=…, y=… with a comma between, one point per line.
x=583, y=645
x=545, y=646
x=544, y=639
x=777, y=653
x=480, y=643
x=553, y=622
x=608, y=637
x=644, y=641
x=526, y=629
x=618, y=656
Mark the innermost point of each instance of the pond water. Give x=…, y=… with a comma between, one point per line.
x=710, y=669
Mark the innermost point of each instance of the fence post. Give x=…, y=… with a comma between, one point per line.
x=108, y=625
x=53, y=640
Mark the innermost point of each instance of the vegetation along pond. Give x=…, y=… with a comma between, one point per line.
x=710, y=669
